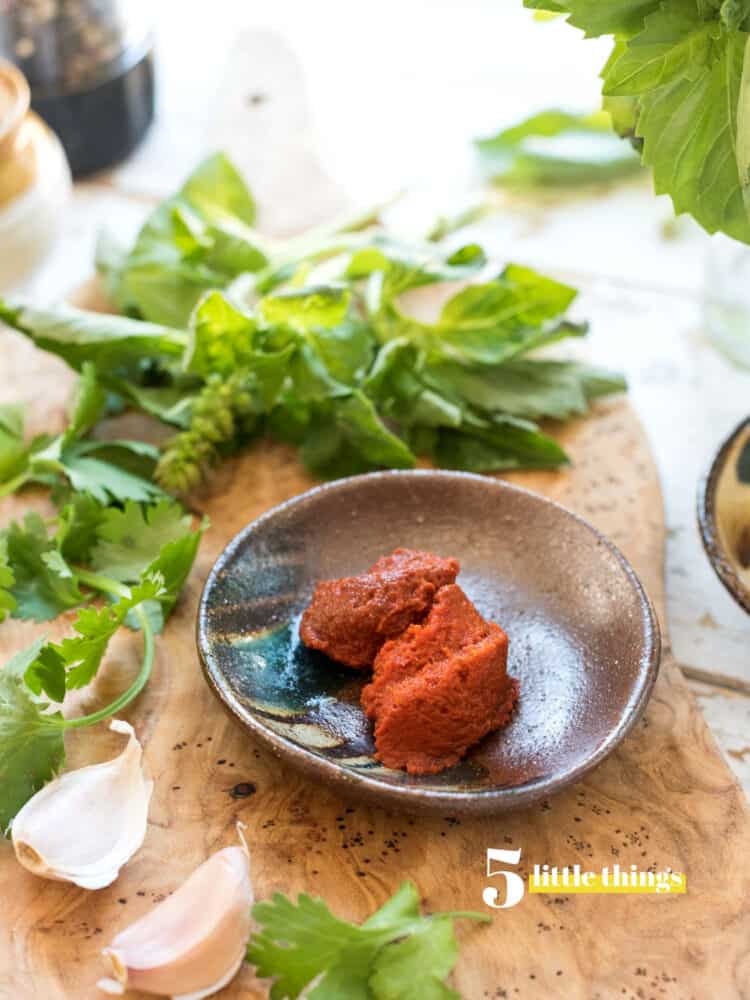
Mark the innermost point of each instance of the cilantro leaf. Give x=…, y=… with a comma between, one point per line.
x=402, y=905
x=129, y=538
x=8, y=602
x=173, y=565
x=13, y=450
x=43, y=584
x=107, y=470
x=557, y=148
x=31, y=739
x=157, y=540
x=415, y=967
x=102, y=469
x=47, y=674
x=82, y=654
x=15, y=455
x=77, y=527
x=299, y=942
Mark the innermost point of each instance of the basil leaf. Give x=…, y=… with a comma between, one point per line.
x=116, y=345
x=557, y=148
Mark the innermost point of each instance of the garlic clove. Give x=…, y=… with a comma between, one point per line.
x=193, y=943
x=83, y=826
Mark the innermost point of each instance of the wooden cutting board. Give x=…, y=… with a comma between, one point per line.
x=665, y=798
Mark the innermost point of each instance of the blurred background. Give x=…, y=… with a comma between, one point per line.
x=397, y=92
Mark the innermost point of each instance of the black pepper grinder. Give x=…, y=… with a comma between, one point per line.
x=91, y=70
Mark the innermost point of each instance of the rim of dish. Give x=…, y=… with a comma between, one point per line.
x=483, y=800
x=706, y=510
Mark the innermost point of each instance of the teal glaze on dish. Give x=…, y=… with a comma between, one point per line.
x=584, y=640
x=301, y=694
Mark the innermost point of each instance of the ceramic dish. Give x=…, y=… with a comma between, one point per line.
x=724, y=514
x=584, y=640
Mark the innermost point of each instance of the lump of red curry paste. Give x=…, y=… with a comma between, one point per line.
x=452, y=623
x=349, y=619
x=440, y=682
x=440, y=687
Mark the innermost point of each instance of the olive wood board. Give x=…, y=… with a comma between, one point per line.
x=665, y=798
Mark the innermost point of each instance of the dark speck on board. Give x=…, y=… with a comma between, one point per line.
x=243, y=790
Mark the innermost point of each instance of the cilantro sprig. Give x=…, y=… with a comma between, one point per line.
x=138, y=558
x=397, y=954
x=106, y=470
x=228, y=337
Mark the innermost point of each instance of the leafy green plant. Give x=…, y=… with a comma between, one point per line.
x=107, y=470
x=396, y=953
x=137, y=556
x=312, y=342
x=198, y=239
x=678, y=81
x=557, y=149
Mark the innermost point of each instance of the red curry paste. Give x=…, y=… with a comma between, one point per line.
x=440, y=682
x=350, y=619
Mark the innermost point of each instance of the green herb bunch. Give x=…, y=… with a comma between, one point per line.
x=678, y=83
x=225, y=336
x=116, y=536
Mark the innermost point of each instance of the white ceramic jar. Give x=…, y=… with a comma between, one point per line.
x=35, y=182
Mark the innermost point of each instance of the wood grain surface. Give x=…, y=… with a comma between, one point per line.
x=664, y=799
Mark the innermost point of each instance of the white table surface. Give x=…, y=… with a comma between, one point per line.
x=396, y=91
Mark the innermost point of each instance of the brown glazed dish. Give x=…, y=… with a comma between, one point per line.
x=724, y=514
x=583, y=637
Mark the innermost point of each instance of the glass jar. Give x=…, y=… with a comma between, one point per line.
x=90, y=67
x=727, y=298
x=35, y=181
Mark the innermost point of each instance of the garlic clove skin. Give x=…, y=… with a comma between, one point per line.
x=83, y=826
x=193, y=943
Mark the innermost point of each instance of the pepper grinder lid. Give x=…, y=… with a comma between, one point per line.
x=90, y=69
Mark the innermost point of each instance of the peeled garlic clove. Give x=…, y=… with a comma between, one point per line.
x=193, y=943
x=83, y=826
